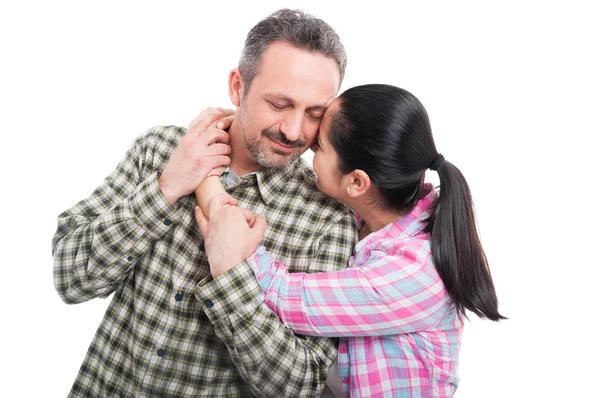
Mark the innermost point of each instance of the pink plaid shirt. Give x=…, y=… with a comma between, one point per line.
x=399, y=331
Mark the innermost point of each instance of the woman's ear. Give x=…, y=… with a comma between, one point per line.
x=236, y=87
x=358, y=183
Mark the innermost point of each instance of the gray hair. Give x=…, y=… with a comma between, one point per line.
x=294, y=27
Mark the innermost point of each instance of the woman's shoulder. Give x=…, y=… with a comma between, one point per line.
x=414, y=251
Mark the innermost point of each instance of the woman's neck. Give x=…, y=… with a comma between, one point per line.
x=375, y=219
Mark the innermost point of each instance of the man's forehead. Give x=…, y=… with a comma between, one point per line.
x=294, y=72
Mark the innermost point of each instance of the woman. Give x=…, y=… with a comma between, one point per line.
x=419, y=266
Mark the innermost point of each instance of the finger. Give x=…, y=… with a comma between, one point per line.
x=217, y=149
x=219, y=161
x=205, y=112
x=213, y=135
x=260, y=224
x=222, y=123
x=225, y=112
x=201, y=123
x=223, y=138
x=201, y=220
x=224, y=119
x=257, y=231
x=220, y=201
x=225, y=122
x=206, y=117
x=248, y=215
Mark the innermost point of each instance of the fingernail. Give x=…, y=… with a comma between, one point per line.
x=220, y=124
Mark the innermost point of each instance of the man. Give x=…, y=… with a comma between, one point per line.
x=171, y=329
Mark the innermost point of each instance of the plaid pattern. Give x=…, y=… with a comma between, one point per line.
x=170, y=329
x=401, y=332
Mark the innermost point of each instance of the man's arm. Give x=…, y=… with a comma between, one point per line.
x=270, y=357
x=101, y=238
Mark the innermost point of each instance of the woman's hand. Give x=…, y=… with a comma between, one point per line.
x=202, y=149
x=231, y=234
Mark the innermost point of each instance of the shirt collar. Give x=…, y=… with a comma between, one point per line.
x=271, y=181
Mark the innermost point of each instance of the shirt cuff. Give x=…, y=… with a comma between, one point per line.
x=260, y=262
x=235, y=292
x=151, y=209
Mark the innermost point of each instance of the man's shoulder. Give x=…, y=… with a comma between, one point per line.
x=166, y=137
x=156, y=144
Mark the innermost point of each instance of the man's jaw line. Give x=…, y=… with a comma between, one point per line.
x=240, y=164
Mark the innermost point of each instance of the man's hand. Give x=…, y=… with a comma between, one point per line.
x=231, y=235
x=203, y=148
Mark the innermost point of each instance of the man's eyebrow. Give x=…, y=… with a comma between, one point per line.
x=288, y=100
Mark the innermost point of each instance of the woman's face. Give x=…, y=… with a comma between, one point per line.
x=325, y=161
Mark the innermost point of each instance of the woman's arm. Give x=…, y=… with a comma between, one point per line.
x=210, y=187
x=389, y=294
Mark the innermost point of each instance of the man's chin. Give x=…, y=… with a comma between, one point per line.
x=283, y=154
x=278, y=159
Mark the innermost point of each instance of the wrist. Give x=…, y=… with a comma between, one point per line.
x=223, y=267
x=216, y=172
x=167, y=191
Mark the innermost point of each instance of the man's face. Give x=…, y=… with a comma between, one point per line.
x=281, y=112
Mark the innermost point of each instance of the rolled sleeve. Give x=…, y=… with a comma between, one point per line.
x=151, y=209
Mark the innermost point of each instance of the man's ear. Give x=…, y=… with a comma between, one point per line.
x=236, y=87
x=358, y=183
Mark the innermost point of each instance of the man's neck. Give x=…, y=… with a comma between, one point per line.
x=242, y=162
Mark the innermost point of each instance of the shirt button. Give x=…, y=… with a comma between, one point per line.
x=161, y=353
x=129, y=258
x=209, y=303
x=343, y=350
x=179, y=296
x=167, y=222
x=346, y=380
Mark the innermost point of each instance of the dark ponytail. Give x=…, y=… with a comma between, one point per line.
x=457, y=252
x=385, y=131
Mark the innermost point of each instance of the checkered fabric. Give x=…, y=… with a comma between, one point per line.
x=170, y=329
x=399, y=331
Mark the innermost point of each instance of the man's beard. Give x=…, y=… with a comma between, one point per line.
x=259, y=150
x=273, y=159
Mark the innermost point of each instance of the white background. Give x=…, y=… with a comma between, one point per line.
x=511, y=90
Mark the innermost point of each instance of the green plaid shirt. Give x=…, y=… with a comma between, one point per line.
x=170, y=329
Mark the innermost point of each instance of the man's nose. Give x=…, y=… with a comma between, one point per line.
x=292, y=126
